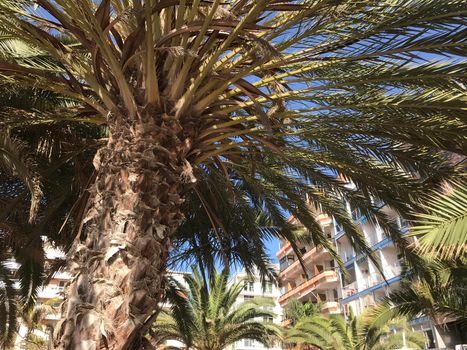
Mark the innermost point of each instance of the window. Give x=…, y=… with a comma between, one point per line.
x=250, y=343
x=356, y=214
x=268, y=319
x=61, y=285
x=249, y=286
x=336, y=296
x=268, y=287
x=322, y=297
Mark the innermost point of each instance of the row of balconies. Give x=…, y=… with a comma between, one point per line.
x=321, y=280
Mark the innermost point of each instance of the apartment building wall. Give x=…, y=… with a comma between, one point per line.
x=317, y=281
x=253, y=288
x=365, y=285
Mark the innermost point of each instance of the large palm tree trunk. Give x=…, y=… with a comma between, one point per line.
x=134, y=210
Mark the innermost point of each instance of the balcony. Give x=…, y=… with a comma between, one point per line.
x=284, y=248
x=306, y=287
x=349, y=289
x=290, y=267
x=49, y=292
x=331, y=307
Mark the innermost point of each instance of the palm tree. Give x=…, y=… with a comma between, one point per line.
x=36, y=319
x=292, y=99
x=208, y=316
x=335, y=332
x=295, y=310
x=436, y=291
x=8, y=304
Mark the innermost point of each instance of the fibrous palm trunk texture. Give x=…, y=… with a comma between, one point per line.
x=131, y=219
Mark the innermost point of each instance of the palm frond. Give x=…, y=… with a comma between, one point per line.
x=15, y=160
x=442, y=227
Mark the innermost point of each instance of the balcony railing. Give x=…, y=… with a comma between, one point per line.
x=312, y=283
x=350, y=289
x=285, y=265
x=371, y=280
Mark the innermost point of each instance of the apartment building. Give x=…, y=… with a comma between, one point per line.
x=319, y=282
x=253, y=288
x=365, y=285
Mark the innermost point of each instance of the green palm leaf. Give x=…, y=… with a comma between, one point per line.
x=442, y=227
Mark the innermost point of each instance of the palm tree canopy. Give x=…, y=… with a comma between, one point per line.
x=208, y=315
x=295, y=310
x=436, y=290
x=281, y=96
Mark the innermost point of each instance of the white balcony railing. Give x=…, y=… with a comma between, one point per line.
x=350, y=289
x=376, y=278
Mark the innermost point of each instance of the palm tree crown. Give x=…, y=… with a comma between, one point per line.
x=209, y=317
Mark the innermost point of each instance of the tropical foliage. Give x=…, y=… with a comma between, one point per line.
x=442, y=227
x=273, y=103
x=335, y=332
x=437, y=291
x=208, y=316
x=35, y=320
x=294, y=311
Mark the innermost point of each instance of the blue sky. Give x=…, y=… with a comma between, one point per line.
x=273, y=247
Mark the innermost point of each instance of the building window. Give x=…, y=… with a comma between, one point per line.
x=61, y=285
x=268, y=319
x=268, y=287
x=249, y=343
x=283, y=263
x=356, y=214
x=336, y=296
x=249, y=286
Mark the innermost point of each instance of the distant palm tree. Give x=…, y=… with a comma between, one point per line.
x=210, y=317
x=295, y=311
x=335, y=332
x=35, y=320
x=294, y=100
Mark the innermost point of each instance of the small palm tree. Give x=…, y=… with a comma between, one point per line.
x=336, y=332
x=34, y=320
x=207, y=316
x=295, y=310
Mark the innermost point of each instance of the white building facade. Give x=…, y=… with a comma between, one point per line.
x=253, y=288
x=365, y=286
